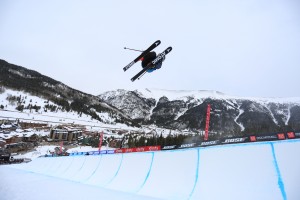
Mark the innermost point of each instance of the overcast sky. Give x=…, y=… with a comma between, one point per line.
x=242, y=48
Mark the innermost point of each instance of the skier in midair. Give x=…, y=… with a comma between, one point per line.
x=150, y=61
x=148, y=58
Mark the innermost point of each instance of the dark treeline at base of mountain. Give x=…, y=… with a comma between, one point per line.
x=229, y=116
x=134, y=140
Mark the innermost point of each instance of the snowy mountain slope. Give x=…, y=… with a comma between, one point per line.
x=41, y=110
x=134, y=104
x=26, y=94
x=187, y=110
x=52, y=96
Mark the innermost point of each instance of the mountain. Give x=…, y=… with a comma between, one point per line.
x=28, y=91
x=54, y=96
x=186, y=110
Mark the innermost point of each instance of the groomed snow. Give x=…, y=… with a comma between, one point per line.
x=260, y=171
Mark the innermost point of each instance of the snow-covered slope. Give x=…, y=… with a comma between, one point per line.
x=249, y=171
x=40, y=110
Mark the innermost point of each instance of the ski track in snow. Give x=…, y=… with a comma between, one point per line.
x=240, y=125
x=272, y=115
x=288, y=116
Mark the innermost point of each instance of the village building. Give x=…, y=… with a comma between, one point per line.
x=13, y=139
x=65, y=133
x=2, y=143
x=20, y=146
x=20, y=140
x=30, y=138
x=8, y=127
x=33, y=125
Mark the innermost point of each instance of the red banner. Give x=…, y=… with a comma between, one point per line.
x=138, y=149
x=100, y=141
x=153, y=148
x=281, y=136
x=291, y=135
x=119, y=151
x=61, y=146
x=207, y=122
x=253, y=138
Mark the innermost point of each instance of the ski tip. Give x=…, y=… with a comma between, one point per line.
x=157, y=42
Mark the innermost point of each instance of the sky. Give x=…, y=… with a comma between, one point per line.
x=243, y=48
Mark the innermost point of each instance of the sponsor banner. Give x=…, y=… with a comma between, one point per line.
x=186, y=145
x=169, y=147
x=138, y=149
x=209, y=143
x=95, y=153
x=110, y=151
x=281, y=136
x=270, y=137
x=129, y=150
x=297, y=134
x=103, y=152
x=234, y=140
x=152, y=148
x=118, y=151
x=263, y=138
x=292, y=135
x=124, y=150
x=252, y=138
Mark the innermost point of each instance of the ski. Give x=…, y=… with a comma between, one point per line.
x=155, y=44
x=156, y=60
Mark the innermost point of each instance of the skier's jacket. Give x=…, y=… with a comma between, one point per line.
x=148, y=58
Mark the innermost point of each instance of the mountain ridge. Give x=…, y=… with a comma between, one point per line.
x=174, y=94
x=171, y=109
x=64, y=97
x=187, y=110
